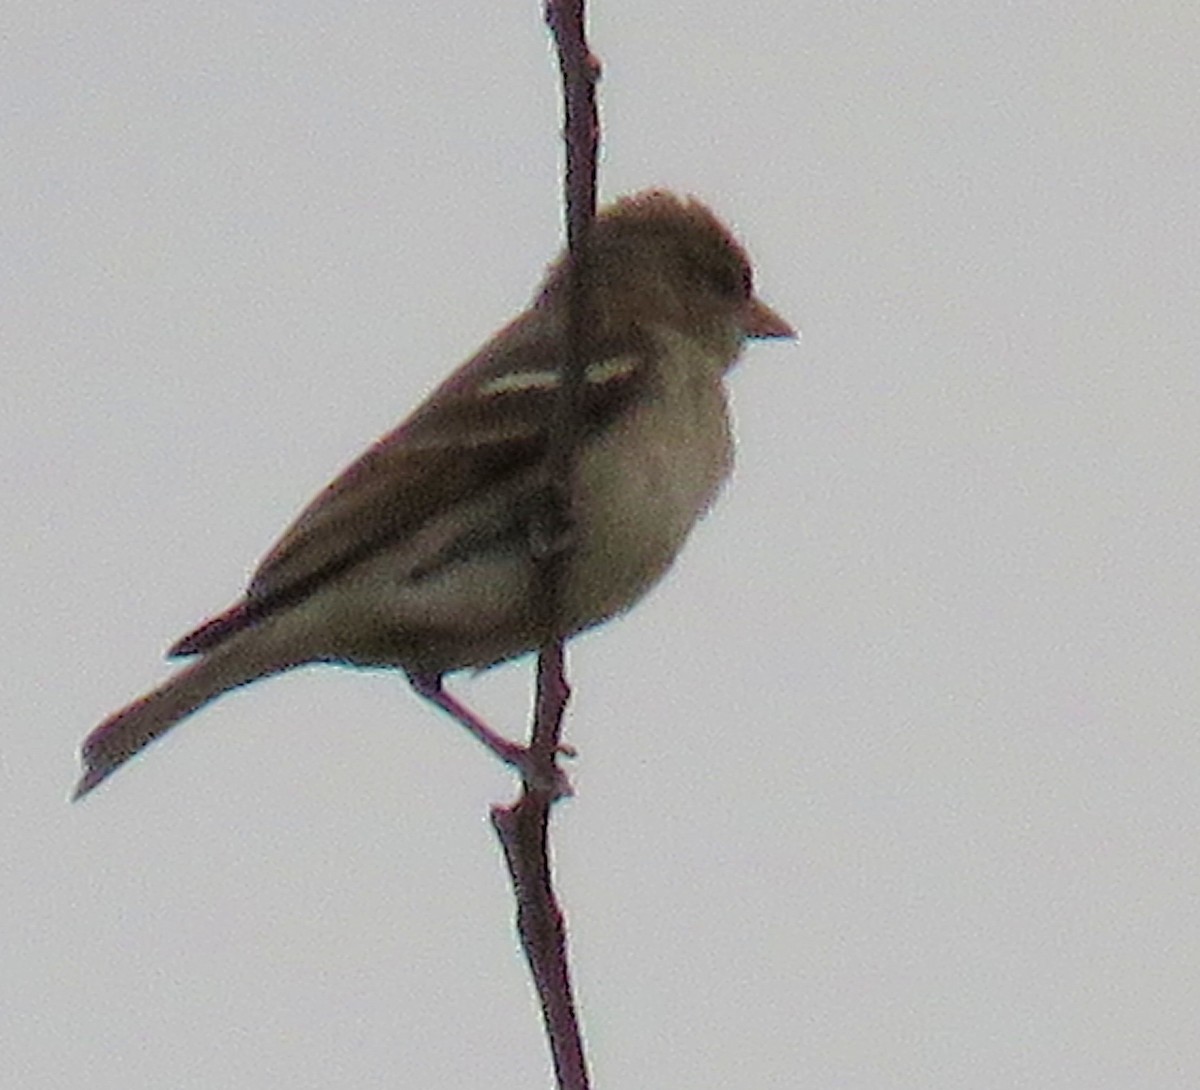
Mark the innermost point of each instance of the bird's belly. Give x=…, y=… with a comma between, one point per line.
x=641, y=495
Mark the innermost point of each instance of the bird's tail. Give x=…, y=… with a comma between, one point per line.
x=133, y=728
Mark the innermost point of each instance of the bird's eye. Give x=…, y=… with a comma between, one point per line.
x=729, y=279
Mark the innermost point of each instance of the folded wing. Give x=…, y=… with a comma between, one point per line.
x=486, y=422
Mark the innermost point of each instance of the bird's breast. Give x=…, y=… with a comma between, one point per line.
x=643, y=484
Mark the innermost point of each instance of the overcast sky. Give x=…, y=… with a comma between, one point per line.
x=891, y=786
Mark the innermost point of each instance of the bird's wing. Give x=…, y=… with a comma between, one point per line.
x=484, y=423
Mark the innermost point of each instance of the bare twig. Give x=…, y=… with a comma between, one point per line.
x=523, y=827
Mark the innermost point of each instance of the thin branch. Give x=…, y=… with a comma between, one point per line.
x=523, y=827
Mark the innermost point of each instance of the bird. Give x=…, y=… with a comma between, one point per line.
x=417, y=556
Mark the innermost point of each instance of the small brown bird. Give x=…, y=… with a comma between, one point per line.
x=417, y=556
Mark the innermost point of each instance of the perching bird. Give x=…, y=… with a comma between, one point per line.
x=418, y=557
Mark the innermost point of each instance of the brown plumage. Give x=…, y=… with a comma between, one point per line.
x=416, y=556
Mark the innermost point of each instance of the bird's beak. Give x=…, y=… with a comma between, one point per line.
x=760, y=322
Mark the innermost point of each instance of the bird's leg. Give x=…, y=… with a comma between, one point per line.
x=430, y=687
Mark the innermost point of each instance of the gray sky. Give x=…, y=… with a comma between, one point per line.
x=893, y=784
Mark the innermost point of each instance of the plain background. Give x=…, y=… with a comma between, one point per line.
x=892, y=784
